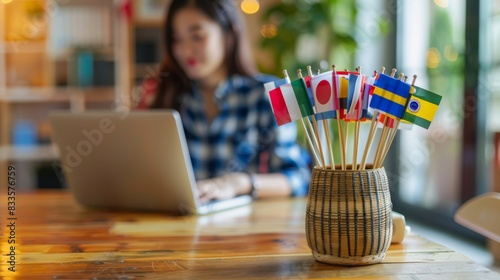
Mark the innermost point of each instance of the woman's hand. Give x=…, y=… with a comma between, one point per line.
x=224, y=187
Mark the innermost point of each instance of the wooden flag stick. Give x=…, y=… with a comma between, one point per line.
x=381, y=142
x=311, y=146
x=285, y=74
x=393, y=72
x=317, y=139
x=329, y=143
x=339, y=126
x=308, y=136
x=369, y=141
x=396, y=126
x=346, y=135
x=346, y=141
x=315, y=130
x=342, y=141
x=356, y=137
x=393, y=132
x=355, y=148
x=326, y=129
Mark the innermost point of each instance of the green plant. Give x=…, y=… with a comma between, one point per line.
x=306, y=32
x=445, y=60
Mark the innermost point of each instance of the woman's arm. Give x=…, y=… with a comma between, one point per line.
x=240, y=183
x=288, y=172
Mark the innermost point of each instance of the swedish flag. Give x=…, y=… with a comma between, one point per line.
x=390, y=96
x=422, y=107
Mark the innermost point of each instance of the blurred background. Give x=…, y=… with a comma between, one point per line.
x=94, y=54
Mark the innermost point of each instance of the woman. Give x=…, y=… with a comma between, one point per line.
x=208, y=76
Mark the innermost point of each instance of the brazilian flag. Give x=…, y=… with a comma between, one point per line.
x=421, y=107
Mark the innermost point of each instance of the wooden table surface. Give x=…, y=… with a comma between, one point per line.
x=58, y=239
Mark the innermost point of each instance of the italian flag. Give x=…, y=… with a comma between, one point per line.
x=290, y=102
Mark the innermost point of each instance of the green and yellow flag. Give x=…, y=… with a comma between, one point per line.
x=421, y=107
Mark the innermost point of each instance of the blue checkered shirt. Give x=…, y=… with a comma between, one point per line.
x=244, y=136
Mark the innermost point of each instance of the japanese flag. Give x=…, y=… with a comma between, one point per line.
x=322, y=87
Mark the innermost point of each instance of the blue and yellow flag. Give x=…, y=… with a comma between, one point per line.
x=422, y=107
x=390, y=96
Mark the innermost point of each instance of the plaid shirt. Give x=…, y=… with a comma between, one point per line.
x=244, y=136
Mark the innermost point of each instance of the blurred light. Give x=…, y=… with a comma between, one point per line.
x=6, y=1
x=433, y=58
x=269, y=31
x=450, y=54
x=324, y=65
x=442, y=3
x=250, y=6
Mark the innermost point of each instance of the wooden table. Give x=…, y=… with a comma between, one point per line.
x=58, y=239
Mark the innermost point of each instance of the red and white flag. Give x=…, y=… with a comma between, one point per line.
x=322, y=88
x=284, y=104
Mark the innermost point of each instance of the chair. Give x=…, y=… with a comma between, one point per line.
x=482, y=215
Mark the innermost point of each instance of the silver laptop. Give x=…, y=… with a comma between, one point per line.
x=130, y=160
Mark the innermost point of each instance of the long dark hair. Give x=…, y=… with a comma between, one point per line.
x=173, y=82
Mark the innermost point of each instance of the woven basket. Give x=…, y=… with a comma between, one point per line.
x=348, y=216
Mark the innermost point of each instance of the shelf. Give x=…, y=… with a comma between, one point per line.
x=39, y=68
x=50, y=94
x=45, y=152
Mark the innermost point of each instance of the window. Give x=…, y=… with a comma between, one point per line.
x=445, y=44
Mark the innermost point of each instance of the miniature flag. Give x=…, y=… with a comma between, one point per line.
x=385, y=120
x=322, y=88
x=307, y=82
x=353, y=91
x=367, y=112
x=422, y=107
x=300, y=91
x=336, y=91
x=290, y=102
x=340, y=91
x=403, y=125
x=284, y=104
x=390, y=96
x=326, y=115
x=274, y=84
x=319, y=116
x=343, y=91
x=354, y=99
x=343, y=88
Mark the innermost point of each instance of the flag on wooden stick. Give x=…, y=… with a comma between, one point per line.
x=290, y=102
x=422, y=107
x=390, y=96
x=322, y=88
